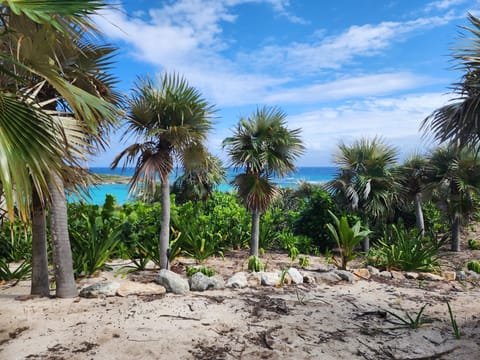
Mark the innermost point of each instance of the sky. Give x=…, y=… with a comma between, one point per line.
x=341, y=70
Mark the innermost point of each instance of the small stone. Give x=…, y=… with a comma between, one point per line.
x=100, y=289
x=328, y=277
x=385, y=274
x=135, y=288
x=397, y=275
x=411, y=275
x=297, y=278
x=324, y=268
x=373, y=270
x=201, y=282
x=345, y=275
x=461, y=275
x=308, y=279
x=269, y=278
x=430, y=277
x=254, y=279
x=472, y=276
x=363, y=274
x=449, y=275
x=287, y=279
x=172, y=282
x=237, y=281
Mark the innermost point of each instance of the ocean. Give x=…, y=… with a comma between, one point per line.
x=314, y=175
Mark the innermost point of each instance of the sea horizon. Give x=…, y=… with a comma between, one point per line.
x=310, y=174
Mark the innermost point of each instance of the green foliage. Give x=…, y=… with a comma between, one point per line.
x=23, y=271
x=434, y=219
x=15, y=241
x=453, y=321
x=254, y=264
x=474, y=266
x=347, y=238
x=402, y=249
x=474, y=244
x=190, y=270
x=408, y=321
x=312, y=220
x=304, y=261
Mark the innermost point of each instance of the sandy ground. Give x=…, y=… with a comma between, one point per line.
x=321, y=321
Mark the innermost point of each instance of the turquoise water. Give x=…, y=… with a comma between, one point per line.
x=315, y=175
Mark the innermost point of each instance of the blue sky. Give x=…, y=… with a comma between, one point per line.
x=341, y=70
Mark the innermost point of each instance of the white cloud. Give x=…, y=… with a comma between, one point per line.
x=442, y=4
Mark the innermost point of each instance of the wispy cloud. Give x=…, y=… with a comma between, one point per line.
x=442, y=5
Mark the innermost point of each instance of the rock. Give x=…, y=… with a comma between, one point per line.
x=328, y=277
x=135, y=288
x=297, y=278
x=362, y=274
x=397, y=275
x=411, y=275
x=254, y=279
x=287, y=279
x=173, y=282
x=269, y=278
x=472, y=276
x=308, y=279
x=449, y=275
x=373, y=270
x=430, y=277
x=345, y=275
x=385, y=274
x=201, y=282
x=237, y=281
x=100, y=289
x=461, y=276
x=324, y=268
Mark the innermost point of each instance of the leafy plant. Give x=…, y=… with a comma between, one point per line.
x=15, y=241
x=23, y=271
x=304, y=261
x=405, y=250
x=453, y=321
x=190, y=270
x=347, y=238
x=408, y=320
x=474, y=244
x=254, y=264
x=474, y=266
x=282, y=277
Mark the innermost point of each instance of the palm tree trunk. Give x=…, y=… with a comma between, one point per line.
x=254, y=242
x=366, y=244
x=419, y=214
x=39, y=284
x=165, y=222
x=62, y=253
x=456, y=228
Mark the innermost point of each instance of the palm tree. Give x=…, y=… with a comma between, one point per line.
x=456, y=174
x=168, y=117
x=414, y=175
x=262, y=146
x=458, y=121
x=365, y=182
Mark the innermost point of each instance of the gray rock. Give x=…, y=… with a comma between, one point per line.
x=397, y=275
x=295, y=275
x=385, y=274
x=472, y=276
x=308, y=279
x=373, y=270
x=461, y=275
x=201, y=282
x=237, y=281
x=411, y=275
x=345, y=275
x=324, y=268
x=100, y=289
x=430, y=277
x=326, y=277
x=135, y=288
x=269, y=278
x=173, y=282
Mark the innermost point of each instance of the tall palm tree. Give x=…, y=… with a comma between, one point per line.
x=458, y=121
x=262, y=146
x=456, y=174
x=365, y=182
x=167, y=117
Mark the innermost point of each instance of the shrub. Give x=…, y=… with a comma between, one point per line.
x=474, y=244
x=254, y=264
x=190, y=270
x=23, y=271
x=474, y=266
x=15, y=242
x=402, y=249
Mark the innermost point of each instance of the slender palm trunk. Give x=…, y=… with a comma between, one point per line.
x=456, y=229
x=366, y=244
x=62, y=253
x=419, y=214
x=254, y=242
x=165, y=222
x=39, y=284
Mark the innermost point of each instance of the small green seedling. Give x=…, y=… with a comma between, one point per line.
x=474, y=266
x=304, y=261
x=191, y=270
x=455, y=328
x=254, y=264
x=408, y=321
x=474, y=244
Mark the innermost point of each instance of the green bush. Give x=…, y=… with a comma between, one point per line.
x=474, y=266
x=255, y=264
x=15, y=242
x=23, y=271
x=474, y=244
x=190, y=270
x=402, y=249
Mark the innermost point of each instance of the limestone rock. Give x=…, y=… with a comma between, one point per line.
x=100, y=289
x=325, y=268
x=237, y=281
x=201, y=282
x=269, y=278
x=297, y=278
x=430, y=277
x=373, y=270
x=173, y=282
x=135, y=288
x=326, y=277
x=398, y=275
x=345, y=275
x=362, y=274
x=308, y=279
x=411, y=275
x=461, y=275
x=385, y=274
x=254, y=279
x=449, y=275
